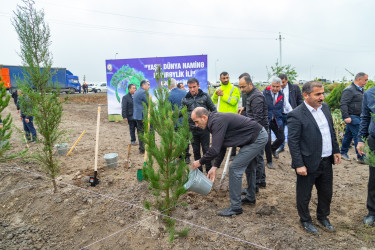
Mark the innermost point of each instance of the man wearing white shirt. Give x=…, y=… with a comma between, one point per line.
x=293, y=98
x=314, y=148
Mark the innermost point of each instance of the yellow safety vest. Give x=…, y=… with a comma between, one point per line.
x=229, y=101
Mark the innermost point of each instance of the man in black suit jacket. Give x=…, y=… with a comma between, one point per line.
x=314, y=148
x=292, y=99
x=127, y=112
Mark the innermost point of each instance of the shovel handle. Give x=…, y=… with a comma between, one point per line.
x=226, y=166
x=97, y=140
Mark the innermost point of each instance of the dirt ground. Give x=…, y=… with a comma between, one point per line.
x=111, y=215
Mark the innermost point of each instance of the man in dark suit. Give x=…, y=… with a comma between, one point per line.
x=140, y=97
x=127, y=112
x=292, y=98
x=313, y=147
x=275, y=102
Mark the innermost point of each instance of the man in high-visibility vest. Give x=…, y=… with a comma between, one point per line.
x=229, y=97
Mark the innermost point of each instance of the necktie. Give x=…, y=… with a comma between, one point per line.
x=274, y=99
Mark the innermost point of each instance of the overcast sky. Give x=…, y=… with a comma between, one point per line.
x=322, y=38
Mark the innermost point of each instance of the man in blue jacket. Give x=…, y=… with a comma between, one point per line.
x=175, y=96
x=292, y=98
x=367, y=131
x=275, y=102
x=140, y=97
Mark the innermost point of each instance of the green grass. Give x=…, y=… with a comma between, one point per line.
x=113, y=118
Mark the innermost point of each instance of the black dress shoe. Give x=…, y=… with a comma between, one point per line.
x=230, y=211
x=369, y=220
x=246, y=201
x=326, y=224
x=275, y=154
x=309, y=227
x=262, y=185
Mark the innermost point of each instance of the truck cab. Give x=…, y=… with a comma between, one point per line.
x=72, y=82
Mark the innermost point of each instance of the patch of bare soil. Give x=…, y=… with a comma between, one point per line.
x=111, y=215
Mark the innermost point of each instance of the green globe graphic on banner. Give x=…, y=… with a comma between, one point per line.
x=124, y=77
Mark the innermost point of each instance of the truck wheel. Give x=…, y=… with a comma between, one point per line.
x=95, y=90
x=99, y=90
x=72, y=91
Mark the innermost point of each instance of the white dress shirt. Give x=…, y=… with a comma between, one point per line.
x=287, y=106
x=323, y=125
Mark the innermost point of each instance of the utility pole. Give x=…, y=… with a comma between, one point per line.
x=280, y=38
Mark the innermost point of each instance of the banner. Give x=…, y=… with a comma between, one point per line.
x=122, y=72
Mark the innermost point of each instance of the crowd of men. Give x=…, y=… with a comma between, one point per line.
x=282, y=105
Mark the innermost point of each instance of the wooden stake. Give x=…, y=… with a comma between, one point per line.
x=97, y=140
x=128, y=160
x=75, y=144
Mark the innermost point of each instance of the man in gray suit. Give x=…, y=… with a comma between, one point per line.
x=314, y=148
x=140, y=97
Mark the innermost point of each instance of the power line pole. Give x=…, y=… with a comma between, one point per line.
x=280, y=38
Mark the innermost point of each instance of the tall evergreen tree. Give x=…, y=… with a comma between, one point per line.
x=34, y=36
x=164, y=170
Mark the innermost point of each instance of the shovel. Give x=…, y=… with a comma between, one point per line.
x=93, y=179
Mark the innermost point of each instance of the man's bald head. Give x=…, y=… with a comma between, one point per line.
x=200, y=117
x=199, y=112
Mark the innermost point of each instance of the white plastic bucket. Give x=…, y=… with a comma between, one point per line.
x=111, y=160
x=198, y=182
x=62, y=148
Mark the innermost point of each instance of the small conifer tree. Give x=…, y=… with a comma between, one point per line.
x=34, y=36
x=164, y=170
x=6, y=123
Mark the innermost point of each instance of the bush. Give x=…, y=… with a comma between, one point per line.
x=333, y=99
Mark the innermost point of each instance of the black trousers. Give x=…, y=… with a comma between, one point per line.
x=234, y=151
x=322, y=178
x=201, y=138
x=260, y=169
x=132, y=127
x=268, y=149
x=279, y=133
x=140, y=131
x=371, y=182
